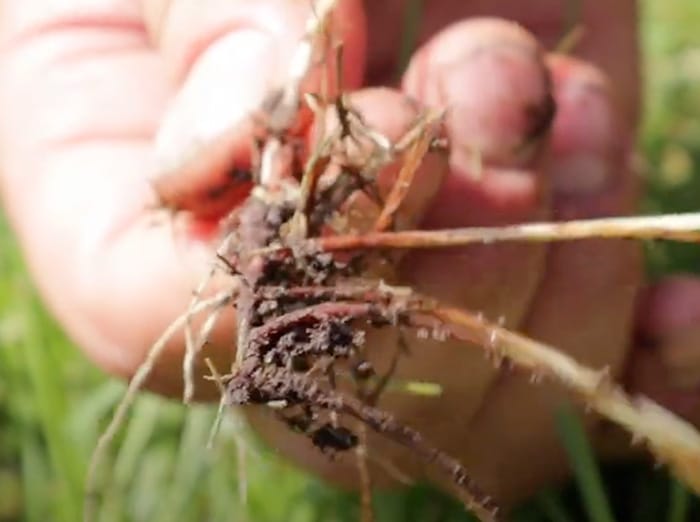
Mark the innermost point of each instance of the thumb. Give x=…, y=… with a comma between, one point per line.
x=225, y=59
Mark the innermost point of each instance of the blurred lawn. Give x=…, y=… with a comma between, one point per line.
x=53, y=403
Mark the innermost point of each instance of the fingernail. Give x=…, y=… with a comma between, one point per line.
x=580, y=174
x=681, y=358
x=499, y=105
x=588, y=148
x=225, y=85
x=492, y=80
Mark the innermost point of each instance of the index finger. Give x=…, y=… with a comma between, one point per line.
x=225, y=60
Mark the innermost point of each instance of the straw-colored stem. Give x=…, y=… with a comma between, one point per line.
x=404, y=180
x=676, y=227
x=671, y=439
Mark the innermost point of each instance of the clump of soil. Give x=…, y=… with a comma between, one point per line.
x=302, y=315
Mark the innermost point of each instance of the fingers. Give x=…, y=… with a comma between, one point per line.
x=81, y=94
x=395, y=117
x=491, y=78
x=666, y=362
x=608, y=38
x=511, y=114
x=225, y=60
x=584, y=305
x=489, y=75
x=590, y=283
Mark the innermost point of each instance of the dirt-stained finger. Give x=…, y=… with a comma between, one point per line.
x=383, y=123
x=489, y=75
x=585, y=303
x=226, y=59
x=499, y=280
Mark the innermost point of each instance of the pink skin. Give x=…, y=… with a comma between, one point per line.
x=83, y=94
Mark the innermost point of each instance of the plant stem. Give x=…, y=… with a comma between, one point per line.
x=671, y=439
x=676, y=227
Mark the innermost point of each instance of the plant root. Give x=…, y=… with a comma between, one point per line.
x=135, y=384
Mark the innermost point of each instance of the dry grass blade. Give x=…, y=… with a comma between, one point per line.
x=675, y=227
x=284, y=110
x=412, y=162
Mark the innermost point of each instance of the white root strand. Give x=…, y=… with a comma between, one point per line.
x=304, y=55
x=136, y=383
x=192, y=348
x=284, y=113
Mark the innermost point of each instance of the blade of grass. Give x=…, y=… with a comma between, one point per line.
x=193, y=461
x=585, y=467
x=90, y=409
x=409, y=36
x=149, y=489
x=221, y=484
x=128, y=462
x=35, y=487
x=51, y=402
x=679, y=505
x=141, y=427
x=552, y=507
x=649, y=496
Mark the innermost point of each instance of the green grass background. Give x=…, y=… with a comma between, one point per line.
x=53, y=404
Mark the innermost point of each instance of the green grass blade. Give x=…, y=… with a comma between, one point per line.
x=679, y=504
x=35, y=487
x=409, y=37
x=148, y=494
x=192, y=461
x=584, y=464
x=140, y=430
x=552, y=507
x=49, y=390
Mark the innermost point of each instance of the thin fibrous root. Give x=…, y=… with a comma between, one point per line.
x=90, y=509
x=466, y=488
x=218, y=380
x=241, y=457
x=675, y=227
x=469, y=492
x=284, y=110
x=191, y=347
x=669, y=438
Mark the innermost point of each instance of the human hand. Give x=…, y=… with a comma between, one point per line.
x=86, y=87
